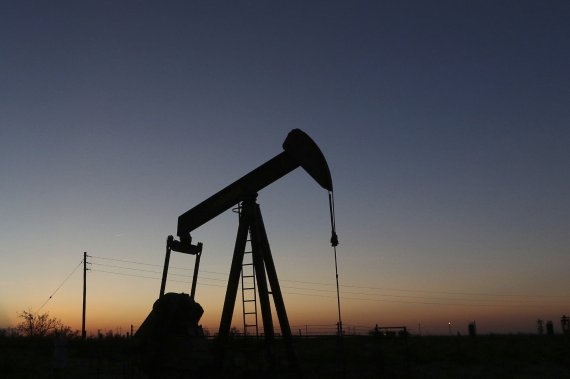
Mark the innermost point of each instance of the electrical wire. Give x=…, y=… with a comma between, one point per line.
x=531, y=298
x=157, y=265
x=61, y=285
x=381, y=300
x=151, y=277
x=156, y=272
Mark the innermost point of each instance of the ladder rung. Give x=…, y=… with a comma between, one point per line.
x=247, y=252
x=250, y=325
x=247, y=264
x=249, y=288
x=247, y=276
x=248, y=301
x=249, y=313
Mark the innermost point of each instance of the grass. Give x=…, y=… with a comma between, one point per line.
x=493, y=356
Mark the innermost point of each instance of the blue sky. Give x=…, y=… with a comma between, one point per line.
x=445, y=125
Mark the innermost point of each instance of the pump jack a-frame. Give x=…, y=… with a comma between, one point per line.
x=299, y=151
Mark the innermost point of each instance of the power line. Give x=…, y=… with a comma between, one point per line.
x=156, y=265
x=128, y=268
x=452, y=293
x=152, y=277
x=289, y=287
x=155, y=272
x=124, y=260
x=61, y=285
x=463, y=304
x=457, y=293
x=403, y=296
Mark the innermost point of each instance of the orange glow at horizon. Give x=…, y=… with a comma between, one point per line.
x=105, y=315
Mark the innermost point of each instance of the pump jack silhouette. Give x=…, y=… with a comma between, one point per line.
x=299, y=151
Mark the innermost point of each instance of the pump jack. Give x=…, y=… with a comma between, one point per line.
x=299, y=151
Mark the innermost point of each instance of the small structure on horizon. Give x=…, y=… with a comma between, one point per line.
x=549, y=328
x=472, y=329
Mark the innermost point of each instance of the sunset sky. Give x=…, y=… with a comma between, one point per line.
x=446, y=126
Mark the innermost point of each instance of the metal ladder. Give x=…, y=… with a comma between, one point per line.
x=249, y=292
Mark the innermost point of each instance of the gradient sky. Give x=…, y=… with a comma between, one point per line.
x=445, y=125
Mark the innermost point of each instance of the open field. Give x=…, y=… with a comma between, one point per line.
x=493, y=356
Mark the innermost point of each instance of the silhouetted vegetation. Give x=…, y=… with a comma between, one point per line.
x=40, y=325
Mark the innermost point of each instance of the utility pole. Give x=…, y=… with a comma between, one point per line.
x=83, y=333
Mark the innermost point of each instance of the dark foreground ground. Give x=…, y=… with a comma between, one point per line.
x=496, y=356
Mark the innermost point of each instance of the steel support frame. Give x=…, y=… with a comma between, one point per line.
x=251, y=221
